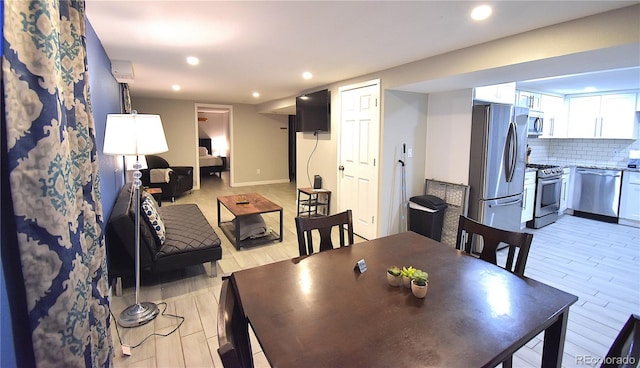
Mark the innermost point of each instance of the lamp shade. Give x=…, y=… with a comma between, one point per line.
x=134, y=134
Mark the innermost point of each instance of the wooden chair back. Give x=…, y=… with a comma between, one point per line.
x=492, y=238
x=233, y=329
x=625, y=350
x=324, y=225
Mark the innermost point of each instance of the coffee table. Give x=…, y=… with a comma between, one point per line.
x=244, y=205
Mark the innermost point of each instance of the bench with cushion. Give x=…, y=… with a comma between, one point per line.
x=171, y=237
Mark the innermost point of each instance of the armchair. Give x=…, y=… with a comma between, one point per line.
x=176, y=181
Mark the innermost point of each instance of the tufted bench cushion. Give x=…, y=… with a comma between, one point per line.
x=187, y=230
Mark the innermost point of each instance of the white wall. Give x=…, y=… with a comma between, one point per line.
x=178, y=119
x=405, y=122
x=259, y=141
x=449, y=136
x=216, y=127
x=321, y=161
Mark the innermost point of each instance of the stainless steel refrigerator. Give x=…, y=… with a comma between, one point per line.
x=497, y=164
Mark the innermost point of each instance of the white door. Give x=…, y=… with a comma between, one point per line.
x=358, y=161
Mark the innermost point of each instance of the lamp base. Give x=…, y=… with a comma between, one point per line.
x=138, y=314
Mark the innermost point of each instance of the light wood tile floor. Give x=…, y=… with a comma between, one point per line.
x=596, y=261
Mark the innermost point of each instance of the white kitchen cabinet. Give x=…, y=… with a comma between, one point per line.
x=555, y=117
x=630, y=199
x=565, y=191
x=528, y=99
x=618, y=116
x=528, y=196
x=500, y=93
x=605, y=116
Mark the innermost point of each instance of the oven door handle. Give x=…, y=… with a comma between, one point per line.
x=550, y=181
x=507, y=203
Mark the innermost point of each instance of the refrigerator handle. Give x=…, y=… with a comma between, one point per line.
x=514, y=150
x=511, y=149
x=507, y=159
x=507, y=203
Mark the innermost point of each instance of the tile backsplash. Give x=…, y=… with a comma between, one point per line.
x=597, y=152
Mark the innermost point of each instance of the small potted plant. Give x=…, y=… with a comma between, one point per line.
x=407, y=275
x=393, y=276
x=419, y=283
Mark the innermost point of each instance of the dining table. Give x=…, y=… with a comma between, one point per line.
x=323, y=311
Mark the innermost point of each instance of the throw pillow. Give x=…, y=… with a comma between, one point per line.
x=152, y=216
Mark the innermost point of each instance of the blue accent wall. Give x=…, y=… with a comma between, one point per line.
x=105, y=99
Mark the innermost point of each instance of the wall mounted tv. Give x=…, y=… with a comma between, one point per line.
x=313, y=112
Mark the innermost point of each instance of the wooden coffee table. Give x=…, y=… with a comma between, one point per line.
x=244, y=205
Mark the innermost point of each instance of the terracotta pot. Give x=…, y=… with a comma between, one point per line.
x=418, y=290
x=394, y=280
x=406, y=282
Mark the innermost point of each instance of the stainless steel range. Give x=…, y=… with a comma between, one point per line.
x=547, y=202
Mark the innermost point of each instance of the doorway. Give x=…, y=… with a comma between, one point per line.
x=358, y=155
x=214, y=132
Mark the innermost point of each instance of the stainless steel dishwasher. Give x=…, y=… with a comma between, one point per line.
x=596, y=193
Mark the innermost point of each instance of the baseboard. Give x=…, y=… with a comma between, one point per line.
x=627, y=222
x=247, y=184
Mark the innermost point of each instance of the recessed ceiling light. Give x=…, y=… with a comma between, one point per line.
x=176, y=87
x=307, y=75
x=192, y=60
x=256, y=94
x=481, y=12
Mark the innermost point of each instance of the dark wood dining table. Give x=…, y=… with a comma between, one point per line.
x=318, y=312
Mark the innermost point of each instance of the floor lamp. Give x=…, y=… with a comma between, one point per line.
x=135, y=134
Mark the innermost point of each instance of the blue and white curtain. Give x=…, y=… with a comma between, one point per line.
x=53, y=174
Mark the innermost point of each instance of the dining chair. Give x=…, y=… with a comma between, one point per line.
x=625, y=349
x=233, y=328
x=324, y=225
x=491, y=238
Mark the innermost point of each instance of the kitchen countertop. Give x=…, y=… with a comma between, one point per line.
x=623, y=168
x=591, y=165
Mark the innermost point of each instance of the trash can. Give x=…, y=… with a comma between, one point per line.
x=426, y=215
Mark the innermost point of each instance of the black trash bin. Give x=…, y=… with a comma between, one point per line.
x=426, y=215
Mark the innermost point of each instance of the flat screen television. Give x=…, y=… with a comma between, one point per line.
x=313, y=112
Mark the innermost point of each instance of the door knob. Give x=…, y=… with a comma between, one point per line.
x=341, y=168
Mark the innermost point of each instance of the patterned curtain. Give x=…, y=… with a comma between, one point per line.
x=53, y=173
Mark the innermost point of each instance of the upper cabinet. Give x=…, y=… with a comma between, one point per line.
x=500, y=93
x=555, y=117
x=607, y=116
x=529, y=99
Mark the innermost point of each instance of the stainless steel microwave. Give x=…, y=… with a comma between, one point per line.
x=536, y=122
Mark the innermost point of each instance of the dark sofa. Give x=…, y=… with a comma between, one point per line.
x=190, y=239
x=180, y=177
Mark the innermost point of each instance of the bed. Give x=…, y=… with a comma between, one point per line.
x=211, y=164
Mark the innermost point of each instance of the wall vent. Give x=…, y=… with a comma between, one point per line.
x=122, y=71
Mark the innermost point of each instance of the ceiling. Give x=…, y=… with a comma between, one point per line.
x=610, y=80
x=265, y=46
